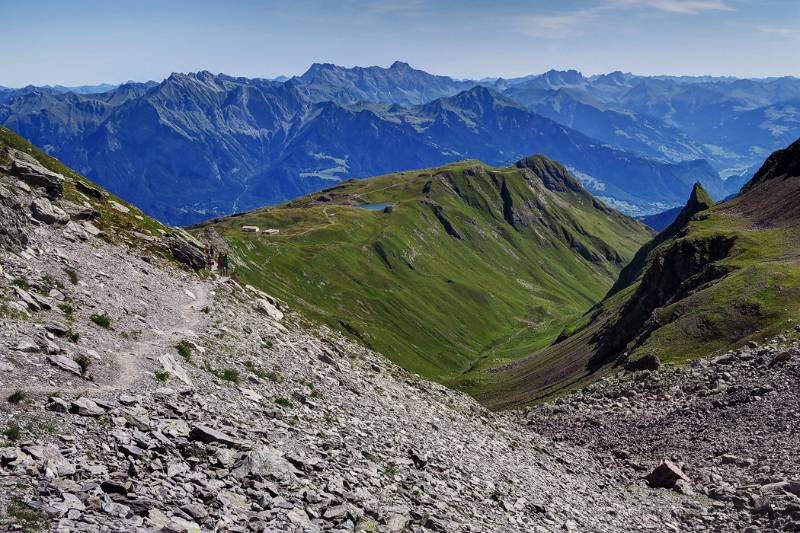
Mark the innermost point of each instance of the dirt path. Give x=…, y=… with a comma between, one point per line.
x=130, y=364
x=129, y=367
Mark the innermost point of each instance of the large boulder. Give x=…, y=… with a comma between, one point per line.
x=264, y=462
x=12, y=222
x=44, y=211
x=185, y=251
x=666, y=476
x=646, y=362
x=29, y=170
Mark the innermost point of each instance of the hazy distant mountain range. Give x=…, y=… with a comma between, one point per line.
x=200, y=145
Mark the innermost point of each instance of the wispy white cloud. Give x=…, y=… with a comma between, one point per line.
x=554, y=26
x=779, y=30
x=573, y=23
x=686, y=7
x=395, y=7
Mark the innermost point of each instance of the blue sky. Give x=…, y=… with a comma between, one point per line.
x=88, y=41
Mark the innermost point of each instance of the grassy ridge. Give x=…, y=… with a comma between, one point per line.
x=472, y=266
x=731, y=274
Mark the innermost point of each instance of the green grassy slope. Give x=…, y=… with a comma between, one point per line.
x=472, y=266
x=730, y=274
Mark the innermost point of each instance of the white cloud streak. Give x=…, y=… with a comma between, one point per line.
x=573, y=23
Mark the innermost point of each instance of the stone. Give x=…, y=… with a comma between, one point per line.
x=666, y=475
x=114, y=486
x=118, y=206
x=86, y=407
x=264, y=462
x=780, y=358
x=44, y=211
x=27, y=346
x=646, y=362
x=56, y=328
x=88, y=190
x=75, y=231
x=185, y=252
x=263, y=305
x=64, y=363
x=29, y=300
x=209, y=435
x=396, y=522
x=115, y=509
x=171, y=365
x=30, y=171
x=334, y=512
x=196, y=511
x=56, y=405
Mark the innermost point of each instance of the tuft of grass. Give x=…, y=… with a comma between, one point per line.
x=283, y=402
x=161, y=376
x=68, y=310
x=84, y=362
x=101, y=320
x=185, y=351
x=26, y=518
x=8, y=312
x=229, y=374
x=12, y=431
x=17, y=396
x=73, y=336
x=73, y=277
x=21, y=283
x=272, y=376
x=205, y=310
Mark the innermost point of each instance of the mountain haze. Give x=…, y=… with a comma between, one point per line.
x=200, y=145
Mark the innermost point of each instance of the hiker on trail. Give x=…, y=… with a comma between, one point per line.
x=209, y=256
x=224, y=263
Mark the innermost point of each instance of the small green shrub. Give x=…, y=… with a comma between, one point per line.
x=73, y=336
x=184, y=350
x=229, y=374
x=8, y=312
x=162, y=376
x=274, y=377
x=73, y=277
x=205, y=310
x=21, y=283
x=101, y=320
x=17, y=397
x=28, y=519
x=68, y=310
x=283, y=402
x=12, y=432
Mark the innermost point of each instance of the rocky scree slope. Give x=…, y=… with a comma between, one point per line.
x=729, y=422
x=138, y=395
x=718, y=277
x=446, y=270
